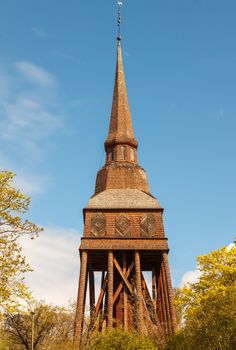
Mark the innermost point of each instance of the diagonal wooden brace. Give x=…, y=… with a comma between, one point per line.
x=101, y=295
x=147, y=292
x=152, y=302
x=128, y=285
x=126, y=275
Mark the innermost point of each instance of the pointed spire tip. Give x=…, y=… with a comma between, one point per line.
x=119, y=3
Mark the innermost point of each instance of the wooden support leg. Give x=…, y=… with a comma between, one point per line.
x=81, y=299
x=160, y=297
x=91, y=294
x=170, y=293
x=110, y=272
x=165, y=304
x=99, y=306
x=125, y=298
x=154, y=292
x=139, y=292
x=160, y=302
x=103, y=279
x=104, y=322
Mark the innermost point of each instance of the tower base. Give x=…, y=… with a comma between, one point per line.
x=135, y=293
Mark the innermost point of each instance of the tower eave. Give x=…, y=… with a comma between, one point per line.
x=123, y=199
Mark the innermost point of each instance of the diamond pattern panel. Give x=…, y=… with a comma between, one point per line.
x=148, y=226
x=99, y=225
x=123, y=228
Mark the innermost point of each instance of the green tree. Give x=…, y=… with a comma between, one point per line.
x=62, y=335
x=208, y=306
x=120, y=340
x=53, y=328
x=13, y=266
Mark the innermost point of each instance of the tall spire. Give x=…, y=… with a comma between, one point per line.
x=121, y=129
x=121, y=169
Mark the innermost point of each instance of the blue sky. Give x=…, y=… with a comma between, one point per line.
x=57, y=66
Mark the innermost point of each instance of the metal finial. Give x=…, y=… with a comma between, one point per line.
x=119, y=3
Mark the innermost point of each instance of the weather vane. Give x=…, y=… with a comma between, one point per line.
x=120, y=3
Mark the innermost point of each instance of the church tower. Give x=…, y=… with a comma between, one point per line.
x=124, y=237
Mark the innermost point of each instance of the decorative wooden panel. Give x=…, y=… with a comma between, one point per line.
x=148, y=226
x=123, y=228
x=99, y=225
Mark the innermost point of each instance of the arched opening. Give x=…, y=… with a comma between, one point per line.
x=132, y=155
x=122, y=153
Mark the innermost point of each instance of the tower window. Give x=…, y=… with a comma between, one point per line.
x=131, y=154
x=111, y=156
x=122, y=153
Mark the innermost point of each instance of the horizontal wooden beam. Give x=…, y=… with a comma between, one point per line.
x=110, y=243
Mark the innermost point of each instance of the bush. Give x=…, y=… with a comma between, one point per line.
x=178, y=341
x=120, y=340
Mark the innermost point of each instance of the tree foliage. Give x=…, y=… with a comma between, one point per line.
x=53, y=328
x=120, y=340
x=13, y=266
x=208, y=306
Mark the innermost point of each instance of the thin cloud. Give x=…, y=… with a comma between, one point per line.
x=28, y=115
x=230, y=246
x=127, y=54
x=54, y=257
x=35, y=74
x=4, y=85
x=29, y=184
x=218, y=114
x=38, y=32
x=28, y=119
x=190, y=277
x=193, y=276
x=64, y=55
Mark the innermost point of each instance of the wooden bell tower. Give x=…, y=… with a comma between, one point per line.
x=124, y=238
